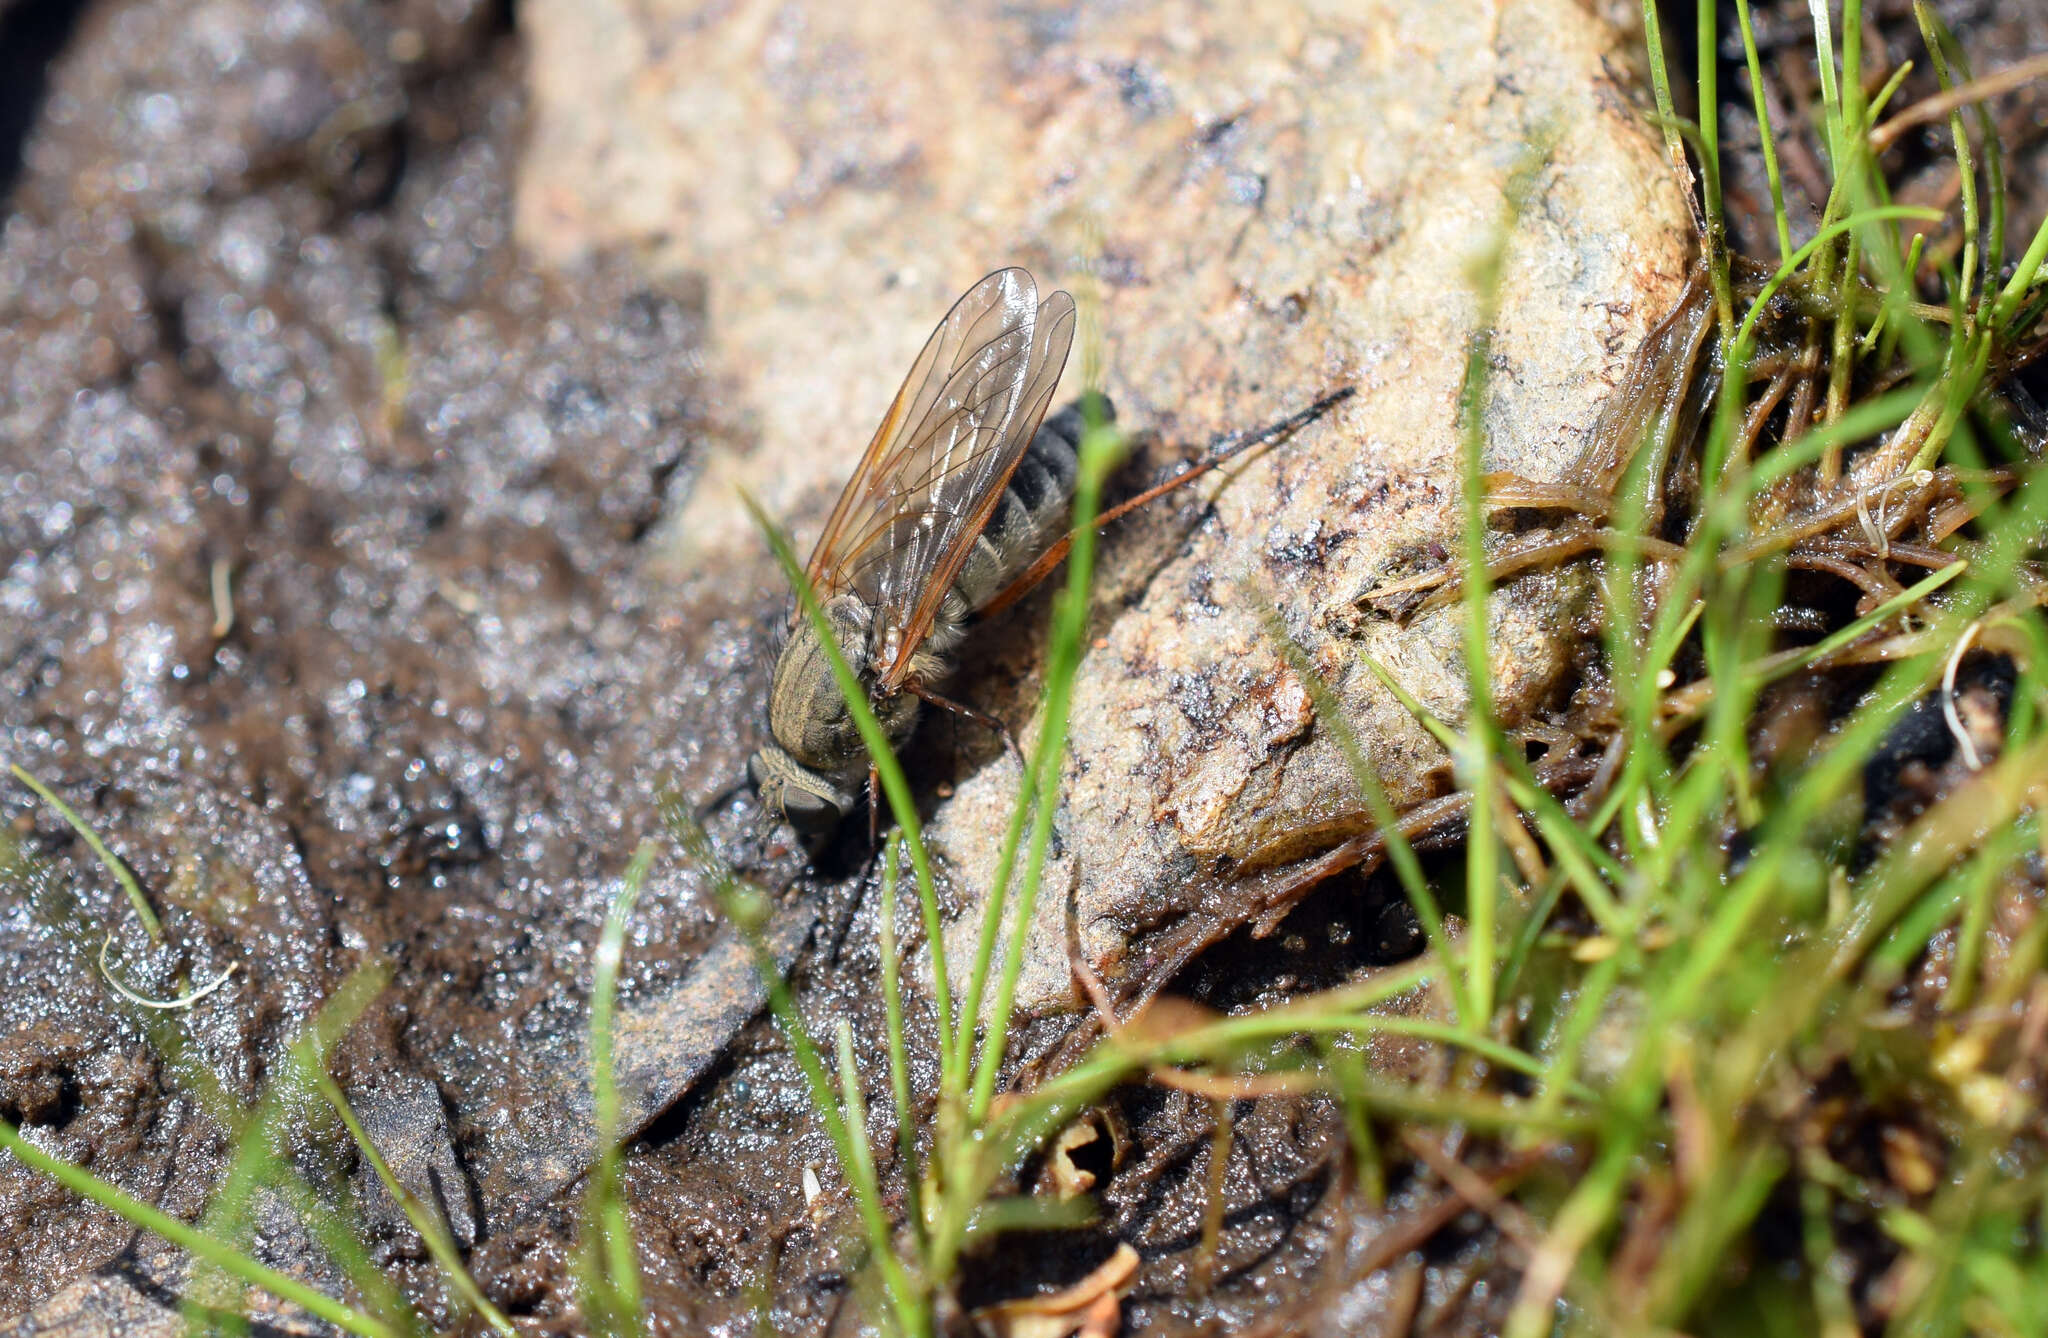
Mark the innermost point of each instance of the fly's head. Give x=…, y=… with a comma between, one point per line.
x=811, y=771
x=812, y=804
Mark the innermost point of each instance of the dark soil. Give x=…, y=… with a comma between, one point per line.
x=265, y=330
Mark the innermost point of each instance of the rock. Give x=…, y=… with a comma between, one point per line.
x=662, y=1043
x=139, y=1294
x=113, y=1299
x=405, y=1120
x=1257, y=205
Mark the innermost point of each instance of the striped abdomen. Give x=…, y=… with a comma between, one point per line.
x=1034, y=511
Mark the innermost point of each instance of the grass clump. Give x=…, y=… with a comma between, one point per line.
x=1805, y=505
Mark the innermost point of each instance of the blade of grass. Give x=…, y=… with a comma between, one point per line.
x=1221, y=1039
x=257, y=1133
x=100, y=852
x=1473, y=758
x=1400, y=853
x=1708, y=51
x=1660, y=85
x=899, y=1058
x=1101, y=448
x=1701, y=1241
x=894, y=784
x=87, y=1185
x=1931, y=33
x=608, y=1270
x=1767, y=140
x=423, y=1219
x=2024, y=276
x=747, y=909
x=1037, y=780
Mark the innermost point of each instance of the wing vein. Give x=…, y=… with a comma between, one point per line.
x=938, y=464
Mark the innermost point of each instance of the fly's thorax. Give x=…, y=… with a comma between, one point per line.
x=807, y=715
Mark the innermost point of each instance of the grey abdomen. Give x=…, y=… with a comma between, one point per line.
x=1034, y=511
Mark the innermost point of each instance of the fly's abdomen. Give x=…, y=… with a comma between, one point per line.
x=1034, y=510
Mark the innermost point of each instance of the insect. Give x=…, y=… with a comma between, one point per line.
x=960, y=502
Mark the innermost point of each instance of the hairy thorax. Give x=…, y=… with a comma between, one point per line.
x=807, y=713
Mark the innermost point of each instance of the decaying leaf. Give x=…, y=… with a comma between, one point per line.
x=1070, y=1180
x=1091, y=1308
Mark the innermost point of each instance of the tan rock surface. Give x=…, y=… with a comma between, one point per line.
x=1266, y=201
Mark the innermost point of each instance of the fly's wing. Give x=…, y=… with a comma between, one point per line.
x=939, y=462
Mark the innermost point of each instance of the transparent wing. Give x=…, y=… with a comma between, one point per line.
x=941, y=458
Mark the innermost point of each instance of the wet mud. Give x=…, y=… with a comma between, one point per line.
x=320, y=599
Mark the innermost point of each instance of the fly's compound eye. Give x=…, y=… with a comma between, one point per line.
x=811, y=814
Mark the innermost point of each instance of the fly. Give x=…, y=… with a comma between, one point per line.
x=959, y=505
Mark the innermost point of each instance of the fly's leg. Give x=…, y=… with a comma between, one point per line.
x=982, y=718
x=1221, y=452
x=988, y=722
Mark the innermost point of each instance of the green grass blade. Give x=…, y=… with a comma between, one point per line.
x=608, y=1271
x=1767, y=140
x=899, y=1057
x=100, y=852
x=1101, y=448
x=1401, y=854
x=423, y=1219
x=256, y=1134
x=1708, y=52
x=87, y=1185
x=894, y=783
x=1033, y=786
x=747, y=909
x=1660, y=85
